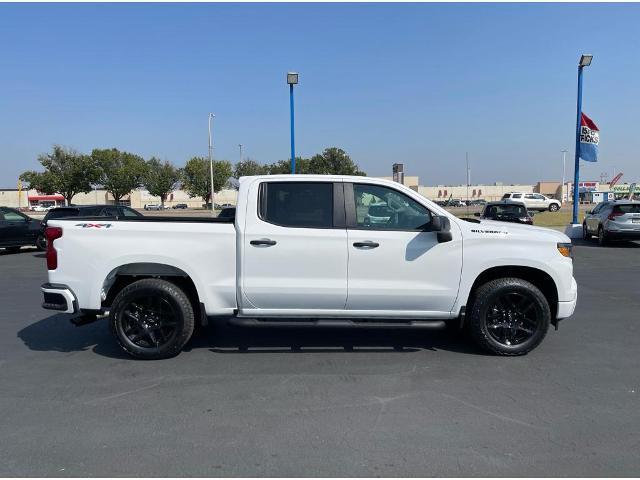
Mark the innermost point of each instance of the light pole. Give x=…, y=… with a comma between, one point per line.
x=585, y=61
x=564, y=158
x=240, y=147
x=292, y=79
x=211, y=117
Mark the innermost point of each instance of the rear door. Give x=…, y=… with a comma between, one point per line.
x=294, y=249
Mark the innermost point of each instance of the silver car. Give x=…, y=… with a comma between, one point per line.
x=619, y=220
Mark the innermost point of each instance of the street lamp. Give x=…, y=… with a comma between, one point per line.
x=585, y=61
x=240, y=146
x=211, y=117
x=292, y=79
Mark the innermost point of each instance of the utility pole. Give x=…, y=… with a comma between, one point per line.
x=466, y=154
x=564, y=158
x=240, y=146
x=211, y=116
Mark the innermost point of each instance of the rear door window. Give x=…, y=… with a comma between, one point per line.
x=297, y=204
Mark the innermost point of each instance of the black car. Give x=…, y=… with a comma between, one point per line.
x=182, y=206
x=19, y=230
x=506, y=212
x=227, y=212
x=88, y=211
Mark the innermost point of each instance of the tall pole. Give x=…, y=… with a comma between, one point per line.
x=564, y=158
x=576, y=174
x=466, y=154
x=211, y=116
x=293, y=144
x=240, y=146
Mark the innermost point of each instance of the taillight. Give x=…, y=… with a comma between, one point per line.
x=614, y=214
x=51, y=233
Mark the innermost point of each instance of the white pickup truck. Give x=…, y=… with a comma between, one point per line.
x=302, y=250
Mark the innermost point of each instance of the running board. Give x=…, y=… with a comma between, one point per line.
x=334, y=323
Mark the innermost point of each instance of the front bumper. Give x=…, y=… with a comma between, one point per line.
x=59, y=297
x=566, y=309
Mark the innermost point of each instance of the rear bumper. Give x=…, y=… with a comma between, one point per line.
x=59, y=297
x=624, y=234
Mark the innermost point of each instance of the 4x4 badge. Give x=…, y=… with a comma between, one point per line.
x=93, y=225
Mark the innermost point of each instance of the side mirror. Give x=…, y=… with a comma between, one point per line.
x=442, y=226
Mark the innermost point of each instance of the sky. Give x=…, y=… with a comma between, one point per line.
x=419, y=84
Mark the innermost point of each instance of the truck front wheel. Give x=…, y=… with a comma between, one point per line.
x=509, y=316
x=152, y=319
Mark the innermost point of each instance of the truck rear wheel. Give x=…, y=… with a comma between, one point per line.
x=510, y=317
x=152, y=319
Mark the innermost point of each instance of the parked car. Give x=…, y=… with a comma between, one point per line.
x=153, y=206
x=297, y=253
x=19, y=230
x=228, y=212
x=181, y=206
x=227, y=205
x=506, y=212
x=616, y=220
x=42, y=208
x=534, y=201
x=378, y=212
x=455, y=202
x=478, y=202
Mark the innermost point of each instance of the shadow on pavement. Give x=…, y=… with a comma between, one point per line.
x=56, y=333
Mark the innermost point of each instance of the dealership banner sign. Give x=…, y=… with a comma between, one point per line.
x=589, y=139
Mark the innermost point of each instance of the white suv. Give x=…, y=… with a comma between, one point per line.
x=533, y=201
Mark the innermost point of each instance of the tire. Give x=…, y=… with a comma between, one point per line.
x=602, y=237
x=526, y=326
x=585, y=232
x=554, y=207
x=41, y=243
x=152, y=319
x=13, y=249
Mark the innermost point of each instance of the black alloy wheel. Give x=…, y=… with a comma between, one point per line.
x=152, y=318
x=512, y=319
x=149, y=322
x=508, y=316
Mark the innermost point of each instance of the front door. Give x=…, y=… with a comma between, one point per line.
x=294, y=249
x=15, y=228
x=396, y=265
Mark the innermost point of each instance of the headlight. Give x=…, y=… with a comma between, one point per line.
x=565, y=249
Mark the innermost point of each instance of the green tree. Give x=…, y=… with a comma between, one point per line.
x=120, y=172
x=160, y=178
x=67, y=172
x=284, y=167
x=196, y=177
x=333, y=161
x=249, y=167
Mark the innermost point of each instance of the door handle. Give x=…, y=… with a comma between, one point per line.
x=263, y=241
x=367, y=244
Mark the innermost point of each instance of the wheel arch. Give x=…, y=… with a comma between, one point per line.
x=541, y=279
x=126, y=274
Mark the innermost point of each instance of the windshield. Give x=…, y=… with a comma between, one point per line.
x=493, y=211
x=629, y=208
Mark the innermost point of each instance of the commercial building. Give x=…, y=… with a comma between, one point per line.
x=138, y=198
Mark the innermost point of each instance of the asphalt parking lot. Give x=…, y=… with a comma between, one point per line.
x=396, y=404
